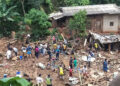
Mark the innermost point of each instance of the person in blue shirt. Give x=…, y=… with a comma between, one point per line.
x=57, y=53
x=105, y=66
x=29, y=49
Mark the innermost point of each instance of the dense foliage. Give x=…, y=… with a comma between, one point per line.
x=39, y=23
x=14, y=81
x=78, y=23
x=76, y=2
x=8, y=19
x=12, y=12
x=105, y=1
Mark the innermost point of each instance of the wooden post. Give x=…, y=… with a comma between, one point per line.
x=80, y=79
x=109, y=47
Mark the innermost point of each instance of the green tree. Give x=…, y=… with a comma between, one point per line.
x=105, y=1
x=44, y=5
x=57, y=4
x=7, y=18
x=78, y=23
x=38, y=20
x=76, y=2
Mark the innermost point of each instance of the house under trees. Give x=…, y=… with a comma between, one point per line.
x=101, y=18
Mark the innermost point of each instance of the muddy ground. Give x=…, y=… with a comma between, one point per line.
x=96, y=76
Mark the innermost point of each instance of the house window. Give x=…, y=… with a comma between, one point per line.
x=111, y=23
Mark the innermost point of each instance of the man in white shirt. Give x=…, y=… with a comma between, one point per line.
x=9, y=54
x=41, y=48
x=39, y=80
x=84, y=69
x=85, y=72
x=15, y=50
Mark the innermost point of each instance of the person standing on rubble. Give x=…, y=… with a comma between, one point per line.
x=29, y=49
x=85, y=72
x=96, y=46
x=70, y=72
x=75, y=64
x=64, y=48
x=39, y=80
x=57, y=53
x=54, y=39
x=44, y=49
x=36, y=51
x=89, y=60
x=61, y=72
x=15, y=50
x=9, y=54
x=72, y=52
x=48, y=81
x=49, y=53
x=54, y=47
x=71, y=62
x=105, y=65
x=23, y=50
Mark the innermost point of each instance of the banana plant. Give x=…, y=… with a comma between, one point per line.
x=7, y=14
x=7, y=17
x=14, y=81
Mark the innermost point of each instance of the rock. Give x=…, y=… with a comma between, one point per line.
x=73, y=80
x=99, y=55
x=90, y=85
x=42, y=66
x=15, y=58
x=115, y=74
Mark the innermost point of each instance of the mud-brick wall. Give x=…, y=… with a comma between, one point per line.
x=110, y=23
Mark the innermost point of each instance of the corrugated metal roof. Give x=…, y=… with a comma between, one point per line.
x=90, y=9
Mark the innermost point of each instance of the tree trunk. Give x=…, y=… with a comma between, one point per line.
x=23, y=8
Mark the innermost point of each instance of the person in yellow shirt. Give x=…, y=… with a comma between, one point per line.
x=61, y=72
x=64, y=48
x=96, y=46
x=54, y=47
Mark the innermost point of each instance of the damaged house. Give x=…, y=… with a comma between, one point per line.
x=104, y=18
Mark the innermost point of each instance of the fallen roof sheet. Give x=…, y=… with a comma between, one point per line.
x=105, y=39
x=56, y=15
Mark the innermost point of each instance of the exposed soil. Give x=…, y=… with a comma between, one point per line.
x=28, y=66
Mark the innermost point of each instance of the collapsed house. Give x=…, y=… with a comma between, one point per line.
x=110, y=42
x=101, y=18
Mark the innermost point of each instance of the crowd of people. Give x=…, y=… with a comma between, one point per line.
x=53, y=51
